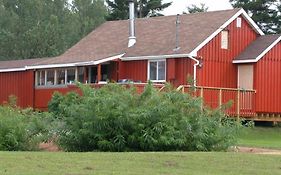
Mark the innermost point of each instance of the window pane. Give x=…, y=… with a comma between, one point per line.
x=40, y=78
x=93, y=74
x=70, y=76
x=224, y=39
x=50, y=77
x=81, y=74
x=61, y=76
x=161, y=70
x=153, y=69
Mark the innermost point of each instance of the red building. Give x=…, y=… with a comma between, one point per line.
x=225, y=52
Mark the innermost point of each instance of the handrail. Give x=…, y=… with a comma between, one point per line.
x=219, y=88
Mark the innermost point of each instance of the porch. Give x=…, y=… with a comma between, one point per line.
x=235, y=102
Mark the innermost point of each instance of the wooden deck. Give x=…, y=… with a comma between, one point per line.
x=235, y=102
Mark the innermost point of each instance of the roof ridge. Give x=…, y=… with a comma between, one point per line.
x=189, y=14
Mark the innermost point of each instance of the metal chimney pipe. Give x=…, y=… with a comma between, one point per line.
x=132, y=37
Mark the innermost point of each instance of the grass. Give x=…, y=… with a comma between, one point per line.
x=34, y=163
x=263, y=137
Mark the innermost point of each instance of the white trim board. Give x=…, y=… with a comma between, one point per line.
x=155, y=57
x=261, y=55
x=240, y=12
x=63, y=65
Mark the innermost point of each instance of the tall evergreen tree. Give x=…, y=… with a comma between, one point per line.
x=267, y=13
x=118, y=9
x=44, y=28
x=197, y=9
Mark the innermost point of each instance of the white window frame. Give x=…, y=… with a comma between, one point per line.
x=157, y=68
x=239, y=22
x=55, y=84
x=225, y=39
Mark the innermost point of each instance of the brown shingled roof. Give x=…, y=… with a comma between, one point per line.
x=13, y=64
x=257, y=47
x=155, y=36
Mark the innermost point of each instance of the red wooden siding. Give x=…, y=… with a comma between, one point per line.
x=218, y=69
x=184, y=68
x=134, y=70
x=44, y=95
x=267, y=82
x=20, y=84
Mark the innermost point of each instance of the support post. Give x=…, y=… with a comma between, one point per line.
x=238, y=105
x=202, y=95
x=220, y=98
x=99, y=73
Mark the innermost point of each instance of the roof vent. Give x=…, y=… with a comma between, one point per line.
x=132, y=37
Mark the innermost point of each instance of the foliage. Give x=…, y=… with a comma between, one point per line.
x=119, y=9
x=33, y=29
x=115, y=118
x=22, y=130
x=197, y=9
x=267, y=13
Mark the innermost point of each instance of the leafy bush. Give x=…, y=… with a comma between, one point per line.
x=115, y=118
x=21, y=130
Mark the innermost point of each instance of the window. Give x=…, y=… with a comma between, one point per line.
x=93, y=75
x=224, y=39
x=157, y=71
x=70, y=76
x=81, y=74
x=238, y=22
x=50, y=77
x=40, y=78
x=61, y=77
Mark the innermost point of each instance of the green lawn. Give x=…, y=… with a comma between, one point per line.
x=265, y=137
x=35, y=163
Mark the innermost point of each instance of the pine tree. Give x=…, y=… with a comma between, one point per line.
x=265, y=12
x=118, y=9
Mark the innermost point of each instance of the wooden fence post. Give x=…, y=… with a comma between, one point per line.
x=238, y=105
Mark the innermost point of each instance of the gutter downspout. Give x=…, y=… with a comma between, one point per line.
x=194, y=69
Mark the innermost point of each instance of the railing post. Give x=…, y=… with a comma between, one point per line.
x=220, y=98
x=202, y=95
x=182, y=90
x=238, y=105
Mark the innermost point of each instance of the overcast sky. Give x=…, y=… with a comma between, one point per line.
x=179, y=6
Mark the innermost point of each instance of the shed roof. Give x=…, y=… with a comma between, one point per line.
x=258, y=48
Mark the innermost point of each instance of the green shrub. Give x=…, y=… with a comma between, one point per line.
x=115, y=118
x=21, y=130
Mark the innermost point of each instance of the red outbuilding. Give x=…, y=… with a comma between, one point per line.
x=225, y=52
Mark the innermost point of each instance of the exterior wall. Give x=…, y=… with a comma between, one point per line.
x=134, y=70
x=218, y=69
x=184, y=69
x=267, y=82
x=42, y=96
x=20, y=84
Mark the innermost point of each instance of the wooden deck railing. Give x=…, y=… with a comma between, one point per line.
x=235, y=102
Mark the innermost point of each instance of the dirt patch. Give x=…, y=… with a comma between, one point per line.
x=170, y=164
x=258, y=150
x=49, y=146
